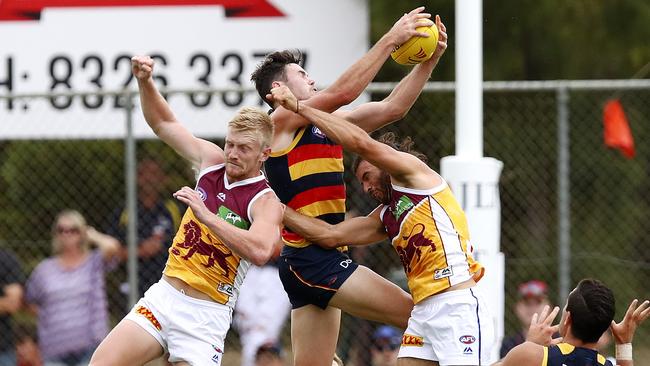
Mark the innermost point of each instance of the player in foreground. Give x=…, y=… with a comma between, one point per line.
x=450, y=324
x=306, y=171
x=588, y=313
x=233, y=219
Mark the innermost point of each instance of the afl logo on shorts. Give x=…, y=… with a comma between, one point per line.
x=317, y=132
x=202, y=193
x=467, y=339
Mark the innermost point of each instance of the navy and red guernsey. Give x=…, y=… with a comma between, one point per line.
x=308, y=177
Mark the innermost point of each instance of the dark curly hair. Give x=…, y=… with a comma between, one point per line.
x=390, y=139
x=272, y=68
x=592, y=306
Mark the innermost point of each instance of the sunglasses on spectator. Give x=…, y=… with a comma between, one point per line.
x=67, y=230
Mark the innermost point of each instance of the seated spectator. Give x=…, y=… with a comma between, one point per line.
x=532, y=297
x=11, y=294
x=386, y=341
x=67, y=291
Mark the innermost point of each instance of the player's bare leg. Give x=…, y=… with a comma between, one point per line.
x=126, y=345
x=314, y=334
x=367, y=295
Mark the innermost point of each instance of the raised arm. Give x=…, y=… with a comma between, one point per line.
x=404, y=168
x=355, y=79
x=374, y=115
x=255, y=244
x=361, y=230
x=107, y=245
x=161, y=119
x=623, y=332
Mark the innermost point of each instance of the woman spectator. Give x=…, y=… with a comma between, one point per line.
x=67, y=291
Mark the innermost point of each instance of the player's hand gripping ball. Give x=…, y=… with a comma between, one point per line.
x=417, y=49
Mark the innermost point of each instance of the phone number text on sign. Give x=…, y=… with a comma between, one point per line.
x=95, y=72
x=88, y=49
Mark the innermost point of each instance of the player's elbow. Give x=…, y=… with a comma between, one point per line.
x=264, y=252
x=260, y=260
x=395, y=112
x=261, y=256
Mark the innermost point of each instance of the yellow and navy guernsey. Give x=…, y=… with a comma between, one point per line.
x=428, y=229
x=308, y=177
x=564, y=354
x=197, y=256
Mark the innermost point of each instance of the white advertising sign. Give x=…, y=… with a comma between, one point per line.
x=75, y=45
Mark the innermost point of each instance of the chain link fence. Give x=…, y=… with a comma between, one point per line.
x=562, y=191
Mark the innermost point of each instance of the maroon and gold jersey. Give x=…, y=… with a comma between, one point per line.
x=197, y=256
x=428, y=229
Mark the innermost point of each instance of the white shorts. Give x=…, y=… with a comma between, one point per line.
x=190, y=329
x=453, y=328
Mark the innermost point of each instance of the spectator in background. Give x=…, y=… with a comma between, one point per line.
x=269, y=354
x=261, y=310
x=386, y=341
x=158, y=219
x=67, y=291
x=11, y=295
x=27, y=353
x=532, y=297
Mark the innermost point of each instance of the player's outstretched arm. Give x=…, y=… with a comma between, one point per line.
x=404, y=167
x=361, y=230
x=356, y=78
x=161, y=119
x=623, y=332
x=374, y=115
x=255, y=244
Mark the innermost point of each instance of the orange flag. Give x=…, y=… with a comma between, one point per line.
x=617, y=130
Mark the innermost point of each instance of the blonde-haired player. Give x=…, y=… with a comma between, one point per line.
x=449, y=324
x=233, y=220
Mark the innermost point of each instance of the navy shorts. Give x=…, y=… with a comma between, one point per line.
x=312, y=275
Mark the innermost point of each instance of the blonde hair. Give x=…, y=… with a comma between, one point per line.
x=250, y=119
x=78, y=221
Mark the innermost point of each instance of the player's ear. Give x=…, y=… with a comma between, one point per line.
x=567, y=320
x=265, y=154
x=276, y=84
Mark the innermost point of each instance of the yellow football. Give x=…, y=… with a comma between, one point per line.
x=417, y=49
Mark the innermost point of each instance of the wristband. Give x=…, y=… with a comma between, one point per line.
x=624, y=352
